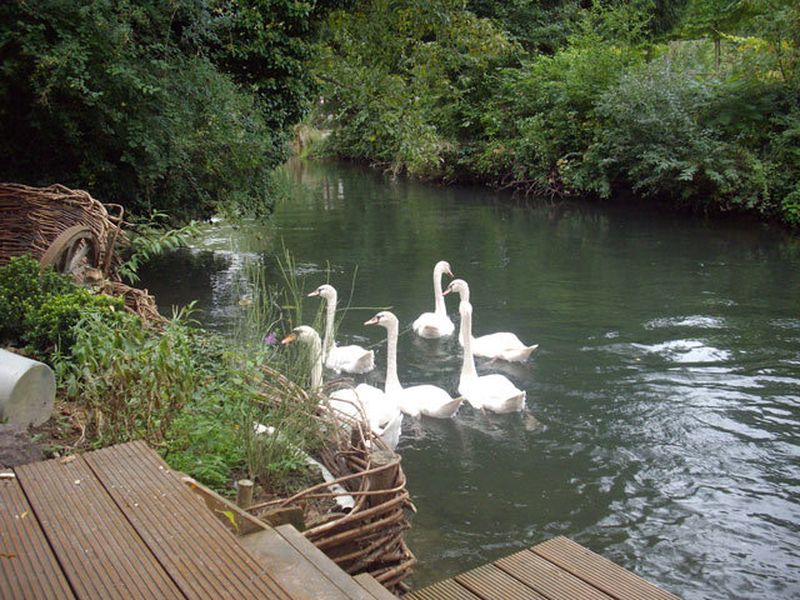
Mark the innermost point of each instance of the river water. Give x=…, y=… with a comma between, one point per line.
x=667, y=383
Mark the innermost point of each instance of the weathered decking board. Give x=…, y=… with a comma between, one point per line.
x=299, y=577
x=489, y=581
x=24, y=550
x=558, y=569
x=540, y=574
x=118, y=524
x=371, y=585
x=99, y=551
x=192, y=545
x=327, y=567
x=598, y=571
x=443, y=590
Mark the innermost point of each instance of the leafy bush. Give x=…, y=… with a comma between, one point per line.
x=404, y=85
x=24, y=288
x=543, y=119
x=657, y=136
x=53, y=325
x=132, y=382
x=179, y=106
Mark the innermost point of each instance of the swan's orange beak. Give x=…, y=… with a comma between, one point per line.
x=289, y=339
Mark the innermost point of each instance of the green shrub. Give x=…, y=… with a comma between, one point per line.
x=53, y=325
x=181, y=106
x=404, y=84
x=782, y=157
x=657, y=137
x=543, y=119
x=132, y=382
x=24, y=288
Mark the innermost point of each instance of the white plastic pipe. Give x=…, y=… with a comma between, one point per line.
x=27, y=390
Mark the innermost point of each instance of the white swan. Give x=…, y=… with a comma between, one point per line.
x=427, y=400
x=489, y=392
x=351, y=359
x=436, y=324
x=349, y=404
x=503, y=344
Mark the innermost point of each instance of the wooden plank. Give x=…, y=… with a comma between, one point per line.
x=443, y=590
x=201, y=556
x=375, y=589
x=294, y=572
x=325, y=565
x=100, y=553
x=598, y=571
x=546, y=578
x=28, y=568
x=490, y=582
x=245, y=522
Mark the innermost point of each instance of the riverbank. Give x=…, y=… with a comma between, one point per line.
x=686, y=114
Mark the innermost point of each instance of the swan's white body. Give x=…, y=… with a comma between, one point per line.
x=417, y=400
x=347, y=404
x=493, y=392
x=350, y=359
x=436, y=324
x=503, y=344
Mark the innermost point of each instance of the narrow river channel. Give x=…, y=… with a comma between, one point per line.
x=667, y=382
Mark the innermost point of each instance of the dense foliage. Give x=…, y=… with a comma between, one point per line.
x=182, y=107
x=190, y=394
x=40, y=308
x=693, y=102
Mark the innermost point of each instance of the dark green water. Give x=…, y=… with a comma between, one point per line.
x=667, y=382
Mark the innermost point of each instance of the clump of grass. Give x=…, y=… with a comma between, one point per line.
x=279, y=403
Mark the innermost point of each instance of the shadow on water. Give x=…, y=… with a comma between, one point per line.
x=666, y=383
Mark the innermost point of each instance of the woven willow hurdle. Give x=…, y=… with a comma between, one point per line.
x=368, y=538
x=35, y=220
x=56, y=225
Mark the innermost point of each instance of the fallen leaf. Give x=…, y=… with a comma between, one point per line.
x=231, y=518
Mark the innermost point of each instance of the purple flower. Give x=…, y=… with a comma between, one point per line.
x=270, y=339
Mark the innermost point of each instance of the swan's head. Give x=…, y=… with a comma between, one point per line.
x=384, y=319
x=325, y=290
x=443, y=267
x=459, y=286
x=303, y=333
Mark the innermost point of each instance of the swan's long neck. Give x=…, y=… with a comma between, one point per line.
x=438, y=297
x=315, y=347
x=392, y=380
x=330, y=315
x=463, y=294
x=468, y=366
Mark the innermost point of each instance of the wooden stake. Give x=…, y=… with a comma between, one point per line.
x=244, y=494
x=384, y=478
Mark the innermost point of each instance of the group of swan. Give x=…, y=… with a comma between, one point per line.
x=384, y=409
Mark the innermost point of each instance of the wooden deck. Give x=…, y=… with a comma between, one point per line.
x=118, y=524
x=558, y=569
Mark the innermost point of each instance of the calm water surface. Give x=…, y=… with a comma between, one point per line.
x=667, y=382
